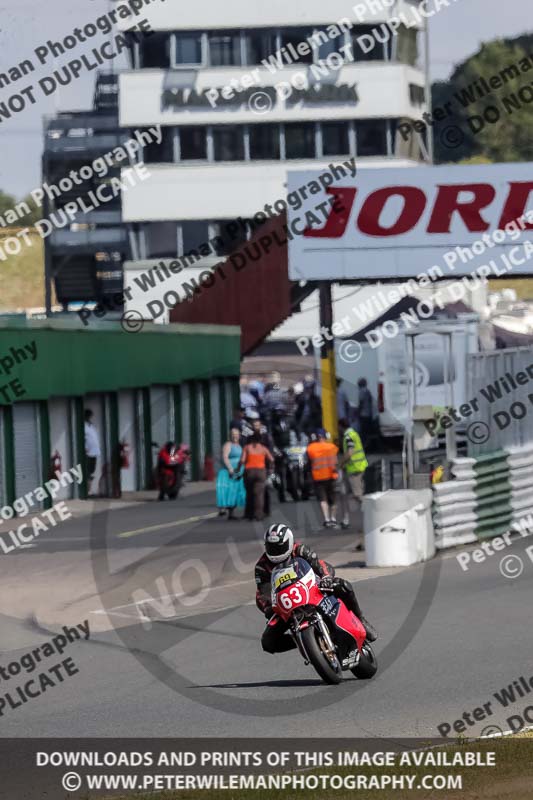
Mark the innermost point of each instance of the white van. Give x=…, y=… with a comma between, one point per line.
x=383, y=359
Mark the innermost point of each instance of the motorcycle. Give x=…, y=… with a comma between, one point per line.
x=291, y=469
x=291, y=473
x=328, y=636
x=171, y=467
x=297, y=472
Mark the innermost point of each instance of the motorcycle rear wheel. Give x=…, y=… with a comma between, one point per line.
x=319, y=660
x=368, y=663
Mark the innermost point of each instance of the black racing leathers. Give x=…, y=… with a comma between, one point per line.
x=274, y=639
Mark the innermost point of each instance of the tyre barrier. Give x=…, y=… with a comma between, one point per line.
x=489, y=495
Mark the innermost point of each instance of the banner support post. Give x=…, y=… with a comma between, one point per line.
x=328, y=373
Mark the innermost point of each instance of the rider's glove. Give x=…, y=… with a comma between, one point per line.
x=326, y=582
x=268, y=611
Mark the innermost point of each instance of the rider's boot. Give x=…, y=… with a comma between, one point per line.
x=346, y=592
x=371, y=633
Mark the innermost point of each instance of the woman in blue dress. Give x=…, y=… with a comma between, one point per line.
x=230, y=484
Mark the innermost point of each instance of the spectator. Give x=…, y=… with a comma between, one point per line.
x=248, y=400
x=354, y=464
x=322, y=457
x=342, y=494
x=230, y=485
x=364, y=409
x=273, y=399
x=257, y=387
x=289, y=402
x=343, y=404
x=255, y=457
x=309, y=410
x=258, y=427
x=92, y=449
x=254, y=391
x=238, y=419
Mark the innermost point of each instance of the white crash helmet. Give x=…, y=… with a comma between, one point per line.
x=279, y=542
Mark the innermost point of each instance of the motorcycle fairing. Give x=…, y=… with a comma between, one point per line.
x=349, y=626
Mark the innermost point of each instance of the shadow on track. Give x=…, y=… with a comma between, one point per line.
x=263, y=684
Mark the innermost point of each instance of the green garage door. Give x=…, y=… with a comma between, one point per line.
x=186, y=429
x=3, y=498
x=216, y=430
x=202, y=427
x=230, y=403
x=27, y=440
x=160, y=406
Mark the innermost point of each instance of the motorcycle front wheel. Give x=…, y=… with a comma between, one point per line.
x=330, y=671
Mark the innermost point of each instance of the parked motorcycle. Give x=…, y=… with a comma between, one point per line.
x=299, y=484
x=171, y=467
x=292, y=474
x=328, y=636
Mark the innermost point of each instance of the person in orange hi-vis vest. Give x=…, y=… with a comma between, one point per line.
x=322, y=456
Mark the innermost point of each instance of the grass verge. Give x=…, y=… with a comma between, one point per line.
x=510, y=779
x=22, y=277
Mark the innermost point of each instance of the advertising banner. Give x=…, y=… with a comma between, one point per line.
x=399, y=223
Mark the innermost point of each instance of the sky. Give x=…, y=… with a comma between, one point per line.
x=455, y=33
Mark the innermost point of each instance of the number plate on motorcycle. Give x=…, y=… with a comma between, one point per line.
x=284, y=577
x=327, y=605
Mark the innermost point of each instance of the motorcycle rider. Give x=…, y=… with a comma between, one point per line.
x=280, y=547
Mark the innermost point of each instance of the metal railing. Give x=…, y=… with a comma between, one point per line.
x=500, y=387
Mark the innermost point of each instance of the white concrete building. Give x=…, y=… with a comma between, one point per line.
x=209, y=74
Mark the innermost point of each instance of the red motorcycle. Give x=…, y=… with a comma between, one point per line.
x=328, y=636
x=171, y=466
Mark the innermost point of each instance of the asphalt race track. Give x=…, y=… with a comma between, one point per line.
x=189, y=662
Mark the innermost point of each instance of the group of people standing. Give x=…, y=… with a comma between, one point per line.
x=338, y=473
x=247, y=460
x=337, y=470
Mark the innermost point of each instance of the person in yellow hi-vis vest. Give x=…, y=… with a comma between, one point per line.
x=353, y=463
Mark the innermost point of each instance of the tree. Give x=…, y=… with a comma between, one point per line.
x=487, y=105
x=18, y=217
x=7, y=201
x=34, y=214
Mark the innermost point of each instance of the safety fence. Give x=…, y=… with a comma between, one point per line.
x=489, y=495
x=500, y=396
